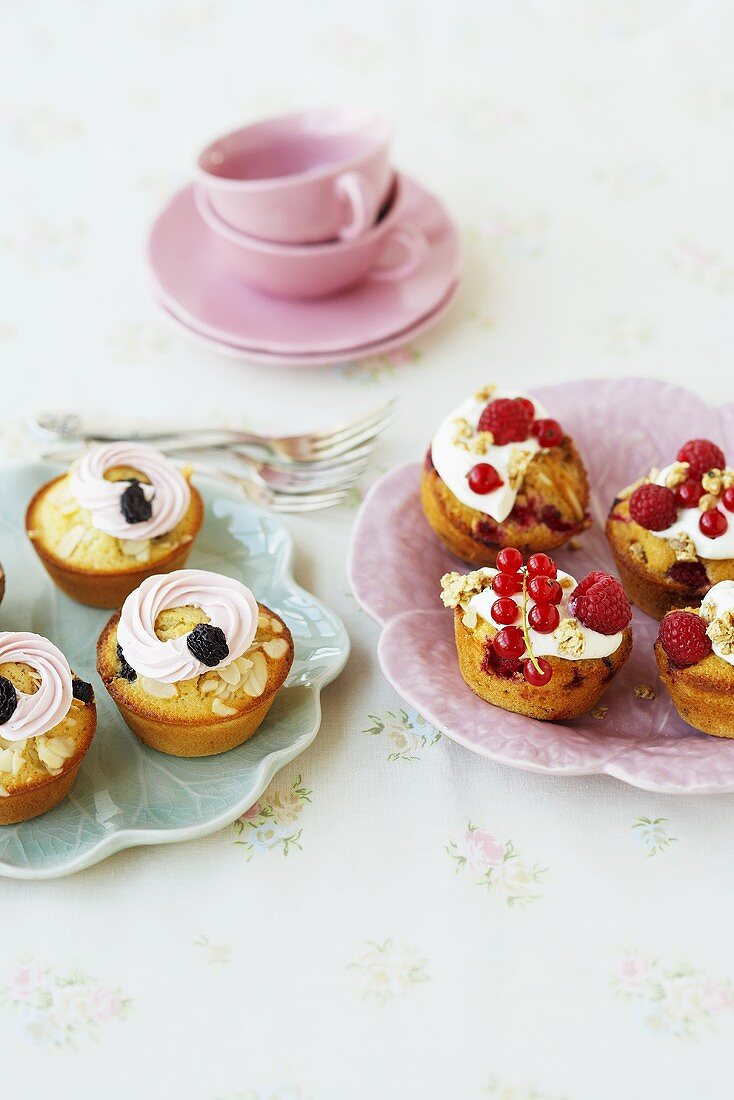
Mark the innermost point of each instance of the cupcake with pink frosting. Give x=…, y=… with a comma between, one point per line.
x=193, y=662
x=122, y=513
x=47, y=721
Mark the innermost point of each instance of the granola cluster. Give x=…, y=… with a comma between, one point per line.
x=570, y=638
x=458, y=588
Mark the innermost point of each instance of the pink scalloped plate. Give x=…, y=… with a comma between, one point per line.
x=622, y=428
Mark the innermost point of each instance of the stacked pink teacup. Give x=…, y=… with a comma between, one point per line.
x=299, y=242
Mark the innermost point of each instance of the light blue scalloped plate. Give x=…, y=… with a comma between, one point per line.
x=127, y=794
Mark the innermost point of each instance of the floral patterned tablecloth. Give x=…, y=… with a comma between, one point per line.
x=395, y=917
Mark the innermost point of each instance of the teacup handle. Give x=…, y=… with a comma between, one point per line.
x=413, y=240
x=360, y=195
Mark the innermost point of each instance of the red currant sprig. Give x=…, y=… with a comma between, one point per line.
x=536, y=580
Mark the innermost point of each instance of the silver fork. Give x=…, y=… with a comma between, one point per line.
x=277, y=500
x=314, y=446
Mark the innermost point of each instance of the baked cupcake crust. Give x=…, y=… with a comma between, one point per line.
x=186, y=725
x=576, y=686
x=551, y=507
x=645, y=562
x=703, y=694
x=108, y=587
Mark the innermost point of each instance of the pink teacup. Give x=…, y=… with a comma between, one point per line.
x=319, y=270
x=302, y=178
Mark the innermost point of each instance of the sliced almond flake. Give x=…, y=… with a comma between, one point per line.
x=4, y=793
x=469, y=618
x=208, y=685
x=230, y=674
x=575, y=503
x=243, y=664
x=69, y=508
x=257, y=679
x=18, y=762
x=131, y=548
x=157, y=688
x=263, y=622
x=6, y=760
x=47, y=754
x=276, y=648
x=70, y=540
x=220, y=708
x=276, y=626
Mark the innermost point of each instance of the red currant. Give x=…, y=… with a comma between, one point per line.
x=713, y=523
x=505, y=610
x=531, y=674
x=483, y=478
x=727, y=498
x=689, y=493
x=507, y=584
x=527, y=404
x=509, y=642
x=548, y=433
x=509, y=560
x=545, y=590
x=544, y=617
x=540, y=565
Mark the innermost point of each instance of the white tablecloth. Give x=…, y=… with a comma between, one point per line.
x=352, y=949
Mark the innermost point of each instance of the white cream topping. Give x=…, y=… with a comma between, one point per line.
x=168, y=493
x=687, y=523
x=38, y=713
x=547, y=645
x=718, y=602
x=453, y=462
x=229, y=605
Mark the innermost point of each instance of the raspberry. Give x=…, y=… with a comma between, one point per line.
x=531, y=674
x=701, y=455
x=713, y=524
x=689, y=493
x=506, y=584
x=544, y=590
x=509, y=642
x=548, y=433
x=134, y=504
x=544, y=617
x=683, y=637
x=600, y=602
x=208, y=644
x=509, y=560
x=507, y=419
x=653, y=507
x=504, y=610
x=527, y=404
x=483, y=478
x=540, y=565
x=8, y=700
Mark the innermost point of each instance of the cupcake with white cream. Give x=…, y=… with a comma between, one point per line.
x=193, y=662
x=123, y=512
x=47, y=721
x=501, y=472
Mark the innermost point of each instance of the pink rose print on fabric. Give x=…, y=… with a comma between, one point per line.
x=496, y=865
x=674, y=1000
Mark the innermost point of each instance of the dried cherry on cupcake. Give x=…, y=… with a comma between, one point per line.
x=695, y=657
x=47, y=722
x=672, y=533
x=123, y=512
x=532, y=640
x=501, y=472
x=193, y=662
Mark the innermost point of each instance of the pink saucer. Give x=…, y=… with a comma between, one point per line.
x=349, y=355
x=188, y=279
x=622, y=428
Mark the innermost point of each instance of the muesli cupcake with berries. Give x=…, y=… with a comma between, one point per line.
x=532, y=640
x=193, y=662
x=672, y=533
x=123, y=512
x=501, y=472
x=47, y=722
x=695, y=657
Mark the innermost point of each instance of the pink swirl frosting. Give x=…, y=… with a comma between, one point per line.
x=169, y=493
x=228, y=603
x=38, y=713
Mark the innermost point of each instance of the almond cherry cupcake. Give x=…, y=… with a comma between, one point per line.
x=672, y=533
x=695, y=657
x=47, y=721
x=501, y=472
x=123, y=512
x=193, y=662
x=531, y=640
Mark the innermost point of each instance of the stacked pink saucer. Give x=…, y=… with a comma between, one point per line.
x=299, y=244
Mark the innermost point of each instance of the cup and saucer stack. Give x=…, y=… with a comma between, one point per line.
x=299, y=244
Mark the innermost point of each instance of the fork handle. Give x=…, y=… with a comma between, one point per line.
x=71, y=428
